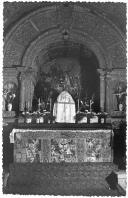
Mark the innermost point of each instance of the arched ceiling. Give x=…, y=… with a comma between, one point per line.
x=64, y=49
x=53, y=23
x=115, y=12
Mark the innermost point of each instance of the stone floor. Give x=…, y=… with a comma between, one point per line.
x=101, y=191
x=61, y=179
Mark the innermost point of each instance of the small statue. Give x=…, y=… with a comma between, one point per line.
x=120, y=96
x=9, y=97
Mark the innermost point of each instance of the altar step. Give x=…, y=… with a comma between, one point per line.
x=61, y=179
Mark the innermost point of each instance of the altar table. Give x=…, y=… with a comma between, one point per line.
x=62, y=143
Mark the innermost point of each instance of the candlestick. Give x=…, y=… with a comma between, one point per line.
x=78, y=105
x=25, y=108
x=28, y=106
x=90, y=105
x=39, y=101
x=39, y=105
x=50, y=104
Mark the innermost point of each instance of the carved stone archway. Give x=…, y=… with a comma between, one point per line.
x=46, y=26
x=41, y=21
x=54, y=36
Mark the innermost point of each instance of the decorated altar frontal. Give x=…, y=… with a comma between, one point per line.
x=62, y=144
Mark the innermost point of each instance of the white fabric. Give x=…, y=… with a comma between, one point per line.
x=64, y=109
x=12, y=134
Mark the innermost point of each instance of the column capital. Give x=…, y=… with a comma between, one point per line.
x=102, y=72
x=109, y=73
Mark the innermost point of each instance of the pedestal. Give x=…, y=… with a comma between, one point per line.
x=7, y=114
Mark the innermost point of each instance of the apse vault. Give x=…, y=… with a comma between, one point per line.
x=68, y=66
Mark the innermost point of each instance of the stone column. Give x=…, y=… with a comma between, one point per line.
x=109, y=94
x=102, y=89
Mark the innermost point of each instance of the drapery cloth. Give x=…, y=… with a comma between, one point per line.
x=28, y=81
x=64, y=109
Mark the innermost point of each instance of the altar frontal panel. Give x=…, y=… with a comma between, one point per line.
x=56, y=146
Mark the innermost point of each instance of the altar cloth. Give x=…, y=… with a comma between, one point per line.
x=62, y=145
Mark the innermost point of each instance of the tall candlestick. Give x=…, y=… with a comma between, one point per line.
x=25, y=108
x=28, y=106
x=78, y=105
x=39, y=105
x=50, y=104
x=39, y=101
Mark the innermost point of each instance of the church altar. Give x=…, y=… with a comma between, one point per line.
x=62, y=143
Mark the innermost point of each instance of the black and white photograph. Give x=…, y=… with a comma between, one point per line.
x=64, y=94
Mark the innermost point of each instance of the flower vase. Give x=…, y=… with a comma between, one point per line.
x=28, y=120
x=9, y=106
x=41, y=119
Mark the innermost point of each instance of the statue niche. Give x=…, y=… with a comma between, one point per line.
x=28, y=81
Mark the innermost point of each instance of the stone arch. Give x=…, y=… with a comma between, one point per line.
x=44, y=40
x=46, y=25
x=102, y=32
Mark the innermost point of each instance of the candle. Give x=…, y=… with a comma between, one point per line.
x=39, y=101
x=25, y=106
x=90, y=105
x=39, y=105
x=78, y=105
x=28, y=106
x=50, y=104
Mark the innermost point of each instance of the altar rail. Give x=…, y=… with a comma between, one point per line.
x=62, y=144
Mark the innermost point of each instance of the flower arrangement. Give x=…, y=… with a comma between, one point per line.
x=9, y=96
